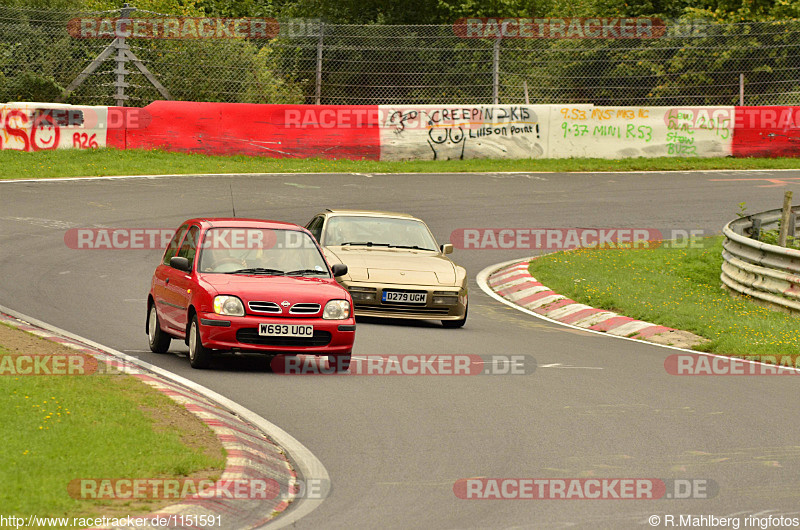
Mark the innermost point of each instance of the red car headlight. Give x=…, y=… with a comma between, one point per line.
x=229, y=306
x=336, y=310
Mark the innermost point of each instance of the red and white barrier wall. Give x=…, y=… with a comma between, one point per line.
x=47, y=126
x=426, y=132
x=280, y=131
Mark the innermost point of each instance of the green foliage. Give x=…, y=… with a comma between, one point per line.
x=185, y=8
x=771, y=237
x=752, y=10
x=267, y=87
x=367, y=11
x=29, y=86
x=238, y=8
x=694, y=63
x=61, y=5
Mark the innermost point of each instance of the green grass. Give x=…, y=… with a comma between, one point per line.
x=679, y=288
x=104, y=162
x=60, y=428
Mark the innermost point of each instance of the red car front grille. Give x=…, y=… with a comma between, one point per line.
x=251, y=336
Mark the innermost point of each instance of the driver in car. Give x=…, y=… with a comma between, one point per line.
x=222, y=260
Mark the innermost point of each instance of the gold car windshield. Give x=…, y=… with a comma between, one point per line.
x=391, y=232
x=260, y=251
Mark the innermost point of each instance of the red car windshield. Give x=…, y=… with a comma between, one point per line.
x=260, y=251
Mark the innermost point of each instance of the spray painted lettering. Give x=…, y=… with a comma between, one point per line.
x=25, y=128
x=463, y=132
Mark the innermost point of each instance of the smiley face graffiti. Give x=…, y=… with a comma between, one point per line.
x=45, y=133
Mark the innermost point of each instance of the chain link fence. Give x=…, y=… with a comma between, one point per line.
x=42, y=55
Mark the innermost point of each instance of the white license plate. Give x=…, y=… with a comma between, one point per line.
x=405, y=298
x=285, y=330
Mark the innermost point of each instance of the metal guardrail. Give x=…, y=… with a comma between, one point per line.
x=768, y=273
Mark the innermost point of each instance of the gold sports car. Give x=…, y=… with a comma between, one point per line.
x=395, y=268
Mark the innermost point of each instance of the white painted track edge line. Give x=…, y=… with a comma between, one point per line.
x=309, y=465
x=171, y=175
x=482, y=280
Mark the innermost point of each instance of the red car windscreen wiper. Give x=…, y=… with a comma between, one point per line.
x=258, y=270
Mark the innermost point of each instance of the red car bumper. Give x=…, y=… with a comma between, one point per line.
x=241, y=334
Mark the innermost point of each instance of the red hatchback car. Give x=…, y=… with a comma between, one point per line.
x=247, y=285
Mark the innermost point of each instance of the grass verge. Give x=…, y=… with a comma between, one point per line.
x=105, y=162
x=679, y=288
x=60, y=428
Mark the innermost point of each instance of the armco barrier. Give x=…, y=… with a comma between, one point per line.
x=427, y=132
x=768, y=273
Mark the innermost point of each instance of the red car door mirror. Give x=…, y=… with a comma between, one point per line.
x=182, y=264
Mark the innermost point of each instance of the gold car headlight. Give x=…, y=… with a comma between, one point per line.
x=445, y=298
x=363, y=294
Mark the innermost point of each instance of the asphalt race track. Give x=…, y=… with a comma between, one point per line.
x=394, y=446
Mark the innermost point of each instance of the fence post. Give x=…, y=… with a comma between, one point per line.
x=120, y=85
x=787, y=211
x=755, y=229
x=318, y=84
x=124, y=55
x=496, y=72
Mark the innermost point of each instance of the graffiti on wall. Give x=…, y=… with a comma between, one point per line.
x=686, y=125
x=29, y=128
x=621, y=132
x=449, y=133
x=425, y=132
